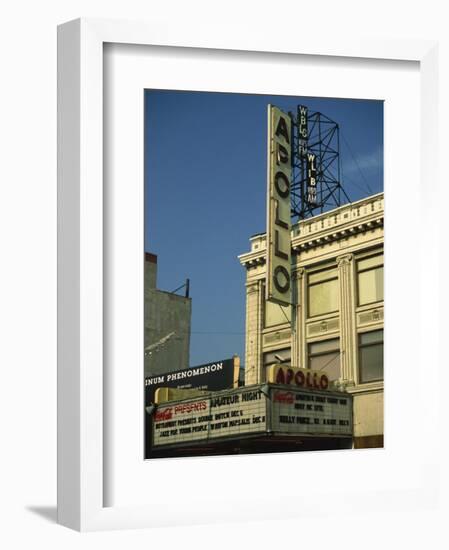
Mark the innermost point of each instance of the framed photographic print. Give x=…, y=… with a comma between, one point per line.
x=292, y=375
x=222, y=241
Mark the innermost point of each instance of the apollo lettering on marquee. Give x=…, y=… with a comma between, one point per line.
x=278, y=277
x=301, y=378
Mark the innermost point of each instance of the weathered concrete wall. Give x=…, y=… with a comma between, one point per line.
x=150, y=270
x=167, y=325
x=166, y=314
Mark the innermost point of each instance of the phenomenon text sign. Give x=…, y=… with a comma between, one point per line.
x=211, y=376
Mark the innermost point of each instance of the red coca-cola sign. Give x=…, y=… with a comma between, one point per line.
x=163, y=414
x=283, y=397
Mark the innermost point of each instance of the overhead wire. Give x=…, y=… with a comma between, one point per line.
x=368, y=187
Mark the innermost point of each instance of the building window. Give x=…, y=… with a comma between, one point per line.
x=279, y=356
x=325, y=356
x=275, y=314
x=323, y=292
x=370, y=279
x=371, y=356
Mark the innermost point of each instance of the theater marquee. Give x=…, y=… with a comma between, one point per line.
x=221, y=415
x=260, y=411
x=278, y=283
x=311, y=413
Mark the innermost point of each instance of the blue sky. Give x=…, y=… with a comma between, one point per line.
x=205, y=194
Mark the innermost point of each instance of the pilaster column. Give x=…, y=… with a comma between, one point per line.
x=298, y=321
x=253, y=337
x=294, y=319
x=347, y=317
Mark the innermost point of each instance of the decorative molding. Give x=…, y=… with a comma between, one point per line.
x=278, y=336
x=253, y=261
x=371, y=316
x=253, y=287
x=342, y=384
x=321, y=327
x=344, y=260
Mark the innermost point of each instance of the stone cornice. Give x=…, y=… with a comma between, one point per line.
x=335, y=225
x=320, y=238
x=252, y=259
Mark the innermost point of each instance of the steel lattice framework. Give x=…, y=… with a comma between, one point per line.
x=316, y=184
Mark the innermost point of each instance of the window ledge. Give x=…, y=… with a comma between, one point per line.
x=372, y=305
x=368, y=387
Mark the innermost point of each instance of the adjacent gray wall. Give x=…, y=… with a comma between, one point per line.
x=165, y=313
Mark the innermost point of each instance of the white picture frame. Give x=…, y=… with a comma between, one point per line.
x=82, y=392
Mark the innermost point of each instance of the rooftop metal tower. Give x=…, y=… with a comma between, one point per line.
x=316, y=184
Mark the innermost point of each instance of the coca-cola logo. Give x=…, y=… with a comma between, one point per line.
x=164, y=414
x=283, y=397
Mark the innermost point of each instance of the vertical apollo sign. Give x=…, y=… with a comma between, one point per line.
x=278, y=284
